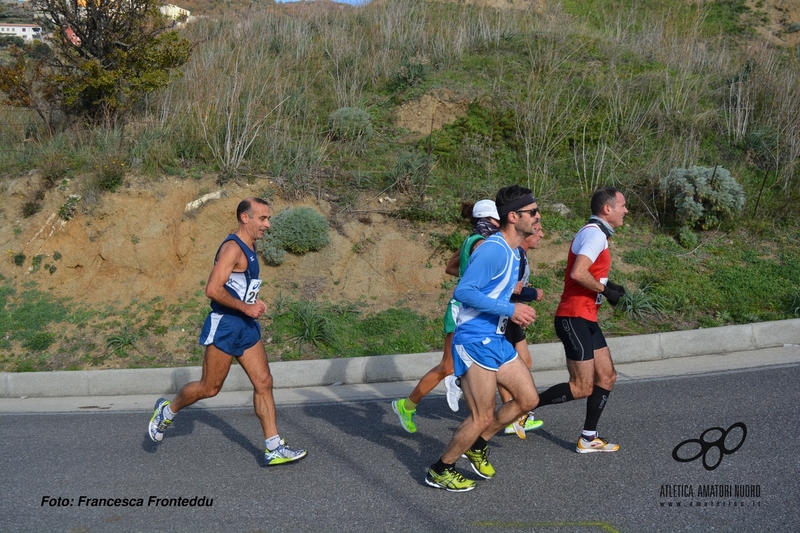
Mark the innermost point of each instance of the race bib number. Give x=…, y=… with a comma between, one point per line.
x=599, y=294
x=252, y=291
x=501, y=325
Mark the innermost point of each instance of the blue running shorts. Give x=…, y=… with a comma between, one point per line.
x=231, y=334
x=489, y=354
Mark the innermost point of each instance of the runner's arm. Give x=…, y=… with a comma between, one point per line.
x=230, y=255
x=482, y=269
x=452, y=265
x=580, y=274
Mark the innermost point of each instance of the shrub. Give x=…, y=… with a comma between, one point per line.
x=350, y=124
x=272, y=254
x=640, y=304
x=687, y=238
x=700, y=196
x=9, y=40
x=299, y=230
x=30, y=208
x=110, y=175
x=117, y=343
x=36, y=262
x=67, y=210
x=38, y=341
x=121, y=60
x=793, y=306
x=53, y=169
x=312, y=326
x=413, y=70
x=408, y=173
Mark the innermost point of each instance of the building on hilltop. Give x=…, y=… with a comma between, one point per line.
x=26, y=31
x=174, y=12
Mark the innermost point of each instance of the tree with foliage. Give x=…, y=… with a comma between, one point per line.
x=107, y=54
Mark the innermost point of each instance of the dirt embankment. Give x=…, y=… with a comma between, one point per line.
x=142, y=242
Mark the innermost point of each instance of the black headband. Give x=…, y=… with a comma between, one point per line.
x=504, y=210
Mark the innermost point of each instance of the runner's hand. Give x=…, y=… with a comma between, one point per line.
x=613, y=292
x=524, y=315
x=619, y=288
x=256, y=309
x=518, y=287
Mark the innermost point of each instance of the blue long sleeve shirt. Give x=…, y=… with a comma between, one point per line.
x=485, y=291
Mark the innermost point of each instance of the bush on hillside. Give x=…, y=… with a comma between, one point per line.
x=9, y=40
x=408, y=173
x=54, y=168
x=412, y=71
x=110, y=174
x=700, y=197
x=270, y=252
x=298, y=230
x=350, y=124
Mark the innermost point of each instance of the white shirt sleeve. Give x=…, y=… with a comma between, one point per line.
x=589, y=241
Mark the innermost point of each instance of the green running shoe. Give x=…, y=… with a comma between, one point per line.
x=406, y=417
x=533, y=423
x=524, y=424
x=479, y=459
x=450, y=480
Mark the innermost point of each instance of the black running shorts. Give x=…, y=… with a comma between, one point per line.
x=514, y=333
x=580, y=337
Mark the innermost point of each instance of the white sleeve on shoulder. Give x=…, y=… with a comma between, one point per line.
x=590, y=241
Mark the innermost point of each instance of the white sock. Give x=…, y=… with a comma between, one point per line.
x=273, y=443
x=589, y=436
x=167, y=412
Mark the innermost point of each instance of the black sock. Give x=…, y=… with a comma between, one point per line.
x=479, y=444
x=595, y=404
x=439, y=467
x=556, y=394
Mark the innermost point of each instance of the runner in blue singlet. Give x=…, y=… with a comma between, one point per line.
x=232, y=330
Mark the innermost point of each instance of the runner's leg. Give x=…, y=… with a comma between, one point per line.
x=479, y=386
x=254, y=362
x=216, y=365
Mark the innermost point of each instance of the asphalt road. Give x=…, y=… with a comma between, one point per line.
x=364, y=473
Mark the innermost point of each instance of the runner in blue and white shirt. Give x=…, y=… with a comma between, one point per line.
x=482, y=356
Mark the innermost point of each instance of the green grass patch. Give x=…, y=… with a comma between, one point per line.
x=312, y=329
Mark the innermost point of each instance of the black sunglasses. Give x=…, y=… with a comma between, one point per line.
x=533, y=212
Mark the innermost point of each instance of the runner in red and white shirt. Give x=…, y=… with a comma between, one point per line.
x=586, y=285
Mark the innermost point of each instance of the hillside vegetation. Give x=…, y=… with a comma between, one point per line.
x=431, y=104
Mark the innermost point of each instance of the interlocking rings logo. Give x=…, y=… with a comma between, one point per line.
x=706, y=446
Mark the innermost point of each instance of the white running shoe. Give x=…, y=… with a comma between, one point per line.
x=453, y=392
x=282, y=455
x=596, y=445
x=158, y=422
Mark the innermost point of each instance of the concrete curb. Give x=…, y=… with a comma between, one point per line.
x=387, y=368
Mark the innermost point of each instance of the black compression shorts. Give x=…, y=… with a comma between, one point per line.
x=580, y=337
x=514, y=333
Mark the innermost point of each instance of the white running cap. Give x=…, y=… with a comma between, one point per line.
x=485, y=209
